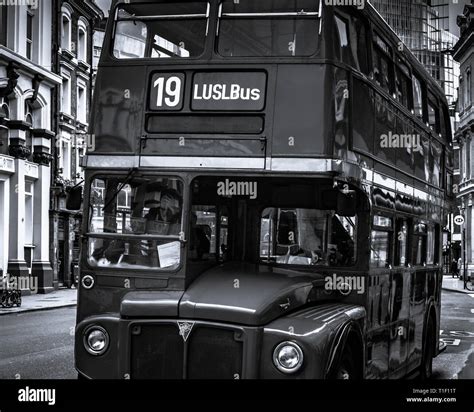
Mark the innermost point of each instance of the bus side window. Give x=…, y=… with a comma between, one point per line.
x=358, y=38
x=383, y=65
x=344, y=42
x=433, y=113
x=380, y=251
x=433, y=245
x=401, y=249
x=381, y=242
x=419, y=251
x=418, y=98
x=403, y=86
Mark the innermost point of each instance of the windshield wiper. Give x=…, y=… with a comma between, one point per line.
x=130, y=175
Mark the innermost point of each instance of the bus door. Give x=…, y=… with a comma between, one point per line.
x=378, y=297
x=400, y=285
x=418, y=292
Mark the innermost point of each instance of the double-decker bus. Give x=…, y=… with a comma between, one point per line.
x=265, y=194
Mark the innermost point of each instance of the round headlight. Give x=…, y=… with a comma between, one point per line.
x=96, y=340
x=288, y=357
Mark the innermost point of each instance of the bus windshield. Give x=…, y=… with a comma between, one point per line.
x=135, y=222
x=269, y=28
x=161, y=30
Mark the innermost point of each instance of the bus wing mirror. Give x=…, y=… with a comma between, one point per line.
x=74, y=198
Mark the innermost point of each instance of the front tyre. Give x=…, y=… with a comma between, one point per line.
x=426, y=368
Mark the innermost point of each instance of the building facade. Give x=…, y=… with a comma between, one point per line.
x=464, y=54
x=73, y=58
x=27, y=89
x=423, y=25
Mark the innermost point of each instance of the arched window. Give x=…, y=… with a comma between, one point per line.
x=65, y=28
x=30, y=120
x=82, y=40
x=4, y=115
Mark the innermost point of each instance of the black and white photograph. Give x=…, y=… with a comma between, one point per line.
x=242, y=199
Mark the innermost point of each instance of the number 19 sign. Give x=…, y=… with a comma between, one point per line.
x=167, y=91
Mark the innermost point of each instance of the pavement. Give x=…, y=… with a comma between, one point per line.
x=455, y=285
x=58, y=299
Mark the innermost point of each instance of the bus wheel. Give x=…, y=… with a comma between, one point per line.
x=346, y=369
x=426, y=369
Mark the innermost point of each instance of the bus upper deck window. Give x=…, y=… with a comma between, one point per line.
x=130, y=38
x=161, y=30
x=418, y=97
x=269, y=28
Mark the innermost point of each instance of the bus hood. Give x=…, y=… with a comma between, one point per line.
x=246, y=294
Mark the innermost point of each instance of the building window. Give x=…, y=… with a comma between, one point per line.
x=3, y=25
x=29, y=195
x=66, y=29
x=467, y=149
x=29, y=33
x=66, y=95
x=468, y=97
x=66, y=159
x=28, y=135
x=82, y=41
x=4, y=141
x=81, y=104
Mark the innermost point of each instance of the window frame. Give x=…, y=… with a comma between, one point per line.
x=30, y=16
x=403, y=69
x=399, y=223
x=66, y=40
x=114, y=13
x=424, y=103
x=82, y=51
x=378, y=53
x=416, y=237
x=118, y=236
x=3, y=24
x=267, y=15
x=386, y=229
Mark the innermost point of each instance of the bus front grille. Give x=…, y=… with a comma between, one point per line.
x=159, y=352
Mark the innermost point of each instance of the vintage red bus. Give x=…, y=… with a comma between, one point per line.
x=265, y=193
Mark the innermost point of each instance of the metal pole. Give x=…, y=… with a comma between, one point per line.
x=464, y=258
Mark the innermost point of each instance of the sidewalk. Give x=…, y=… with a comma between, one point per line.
x=454, y=285
x=57, y=299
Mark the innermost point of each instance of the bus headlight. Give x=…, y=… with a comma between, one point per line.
x=288, y=357
x=96, y=340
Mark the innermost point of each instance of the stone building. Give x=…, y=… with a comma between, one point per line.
x=27, y=90
x=74, y=52
x=464, y=54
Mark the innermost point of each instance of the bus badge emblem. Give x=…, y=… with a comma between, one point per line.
x=185, y=329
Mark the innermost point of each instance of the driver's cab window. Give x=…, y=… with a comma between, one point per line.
x=209, y=231
x=307, y=237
